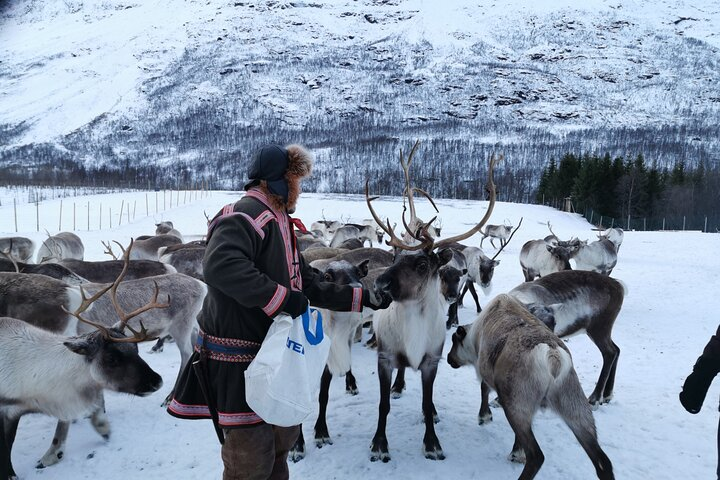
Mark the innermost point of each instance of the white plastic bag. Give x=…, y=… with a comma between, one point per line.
x=283, y=380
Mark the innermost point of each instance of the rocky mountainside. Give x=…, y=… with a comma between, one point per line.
x=191, y=85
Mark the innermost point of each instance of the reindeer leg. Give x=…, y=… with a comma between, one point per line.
x=610, y=384
x=297, y=452
x=609, y=352
x=475, y=296
x=431, y=444
x=57, y=448
x=99, y=420
x=350, y=383
x=399, y=384
x=520, y=420
x=379, y=445
x=569, y=402
x=485, y=415
x=452, y=316
x=462, y=294
x=322, y=437
x=8, y=429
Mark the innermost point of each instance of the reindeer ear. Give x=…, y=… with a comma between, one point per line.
x=363, y=268
x=445, y=255
x=496, y=263
x=461, y=332
x=549, y=248
x=80, y=345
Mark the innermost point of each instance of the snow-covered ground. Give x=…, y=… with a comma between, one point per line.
x=668, y=316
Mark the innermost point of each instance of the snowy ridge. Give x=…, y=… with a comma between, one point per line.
x=120, y=72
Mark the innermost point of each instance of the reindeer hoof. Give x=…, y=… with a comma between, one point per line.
x=433, y=450
x=49, y=459
x=296, y=455
x=483, y=419
x=322, y=441
x=606, y=400
x=379, y=451
x=351, y=391
x=517, y=456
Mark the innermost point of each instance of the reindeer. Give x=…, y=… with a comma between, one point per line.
x=340, y=327
x=352, y=231
x=501, y=232
x=575, y=301
x=53, y=270
x=325, y=227
x=615, y=235
x=148, y=249
x=599, y=256
x=186, y=258
x=542, y=257
x=69, y=373
x=20, y=248
x=106, y=271
x=453, y=276
x=59, y=247
x=322, y=253
x=166, y=228
x=481, y=268
x=411, y=332
x=529, y=367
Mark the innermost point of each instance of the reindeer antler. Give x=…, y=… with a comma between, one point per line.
x=108, y=249
x=138, y=336
x=551, y=230
x=508, y=240
x=394, y=241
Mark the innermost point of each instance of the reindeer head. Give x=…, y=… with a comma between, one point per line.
x=417, y=265
x=461, y=353
x=342, y=272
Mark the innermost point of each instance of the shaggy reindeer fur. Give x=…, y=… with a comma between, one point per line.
x=529, y=367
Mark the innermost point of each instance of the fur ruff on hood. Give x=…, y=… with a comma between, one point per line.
x=300, y=163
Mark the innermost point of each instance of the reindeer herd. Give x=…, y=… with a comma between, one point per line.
x=73, y=325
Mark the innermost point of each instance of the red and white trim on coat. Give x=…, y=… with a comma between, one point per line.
x=356, y=300
x=202, y=411
x=276, y=301
x=286, y=229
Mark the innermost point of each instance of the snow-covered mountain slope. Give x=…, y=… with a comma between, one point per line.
x=162, y=81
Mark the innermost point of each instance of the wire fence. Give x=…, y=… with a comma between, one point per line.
x=709, y=223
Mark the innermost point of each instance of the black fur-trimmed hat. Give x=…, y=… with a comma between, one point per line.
x=276, y=165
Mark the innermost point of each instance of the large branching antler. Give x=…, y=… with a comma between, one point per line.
x=394, y=241
x=138, y=335
x=508, y=240
x=491, y=205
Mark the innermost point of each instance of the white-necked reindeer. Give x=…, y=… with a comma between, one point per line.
x=411, y=332
x=599, y=256
x=529, y=367
x=68, y=373
x=166, y=228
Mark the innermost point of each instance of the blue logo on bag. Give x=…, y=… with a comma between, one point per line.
x=295, y=346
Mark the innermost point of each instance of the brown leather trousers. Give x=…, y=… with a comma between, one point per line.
x=258, y=453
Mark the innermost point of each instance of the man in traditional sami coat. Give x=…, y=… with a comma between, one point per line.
x=254, y=272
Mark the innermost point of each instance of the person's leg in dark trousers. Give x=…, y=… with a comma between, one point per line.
x=285, y=438
x=249, y=453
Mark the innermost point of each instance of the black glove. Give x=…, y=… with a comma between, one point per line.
x=375, y=300
x=696, y=386
x=296, y=304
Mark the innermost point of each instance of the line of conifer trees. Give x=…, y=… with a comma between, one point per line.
x=628, y=187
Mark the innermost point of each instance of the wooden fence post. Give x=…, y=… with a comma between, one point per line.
x=73, y=216
x=100, y=215
x=60, y=220
x=147, y=209
x=15, y=211
x=683, y=223
x=88, y=215
x=704, y=228
x=37, y=212
x=122, y=206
